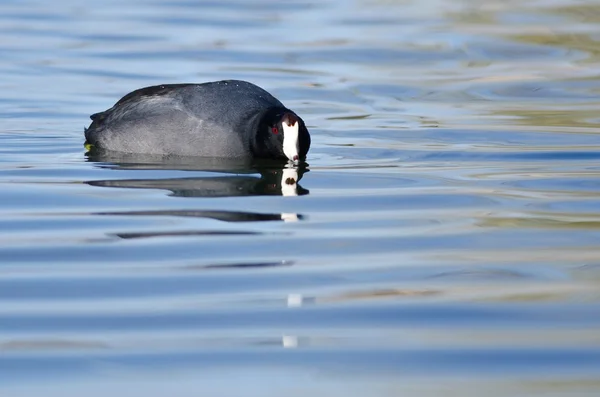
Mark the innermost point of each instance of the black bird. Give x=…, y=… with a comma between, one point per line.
x=226, y=119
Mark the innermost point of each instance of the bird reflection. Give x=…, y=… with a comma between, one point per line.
x=224, y=216
x=226, y=178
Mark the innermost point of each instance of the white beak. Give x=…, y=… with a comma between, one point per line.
x=290, y=138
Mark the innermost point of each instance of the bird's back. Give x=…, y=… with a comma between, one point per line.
x=212, y=119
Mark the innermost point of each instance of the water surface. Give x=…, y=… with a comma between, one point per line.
x=444, y=236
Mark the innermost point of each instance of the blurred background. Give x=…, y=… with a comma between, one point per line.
x=443, y=240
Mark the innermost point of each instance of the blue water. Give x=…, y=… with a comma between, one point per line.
x=443, y=239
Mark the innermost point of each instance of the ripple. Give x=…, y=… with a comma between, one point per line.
x=444, y=235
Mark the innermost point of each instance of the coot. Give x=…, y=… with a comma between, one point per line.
x=227, y=119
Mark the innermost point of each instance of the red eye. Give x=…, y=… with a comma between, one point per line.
x=274, y=130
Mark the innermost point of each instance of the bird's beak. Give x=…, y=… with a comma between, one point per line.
x=290, y=137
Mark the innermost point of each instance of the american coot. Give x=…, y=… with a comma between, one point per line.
x=227, y=119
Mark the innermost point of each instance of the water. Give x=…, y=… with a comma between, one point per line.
x=443, y=239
